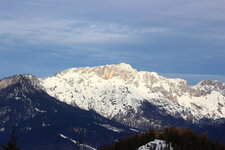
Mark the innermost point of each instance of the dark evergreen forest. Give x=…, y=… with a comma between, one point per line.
x=181, y=139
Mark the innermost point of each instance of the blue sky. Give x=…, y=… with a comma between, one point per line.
x=175, y=38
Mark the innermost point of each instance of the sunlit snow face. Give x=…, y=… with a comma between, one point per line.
x=115, y=96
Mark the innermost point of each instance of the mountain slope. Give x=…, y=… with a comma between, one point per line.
x=122, y=93
x=41, y=119
x=71, y=104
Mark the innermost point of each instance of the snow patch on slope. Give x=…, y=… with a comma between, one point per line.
x=156, y=145
x=84, y=146
x=114, y=129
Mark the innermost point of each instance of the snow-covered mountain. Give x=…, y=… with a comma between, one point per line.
x=117, y=92
x=137, y=98
x=41, y=120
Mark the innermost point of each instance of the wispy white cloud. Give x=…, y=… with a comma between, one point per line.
x=71, y=32
x=162, y=36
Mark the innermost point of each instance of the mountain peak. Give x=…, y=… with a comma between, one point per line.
x=121, y=70
x=124, y=66
x=120, y=66
x=23, y=79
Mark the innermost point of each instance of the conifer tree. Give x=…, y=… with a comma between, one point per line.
x=12, y=144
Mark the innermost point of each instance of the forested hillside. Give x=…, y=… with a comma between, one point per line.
x=180, y=139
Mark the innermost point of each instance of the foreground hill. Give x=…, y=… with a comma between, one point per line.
x=170, y=139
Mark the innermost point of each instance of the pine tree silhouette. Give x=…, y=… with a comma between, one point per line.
x=12, y=144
